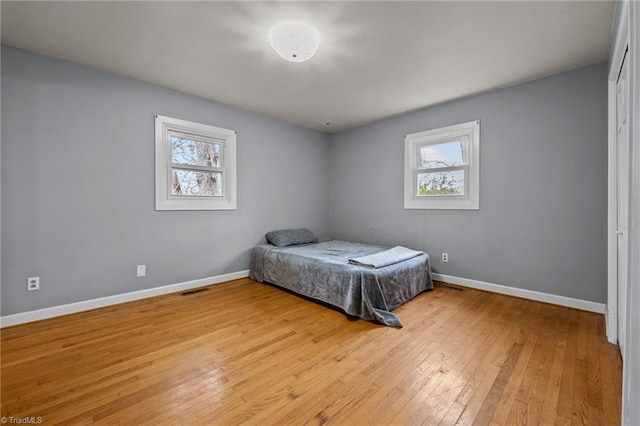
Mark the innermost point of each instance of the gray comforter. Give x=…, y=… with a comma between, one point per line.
x=322, y=271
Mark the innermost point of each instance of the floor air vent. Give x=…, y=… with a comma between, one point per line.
x=451, y=287
x=195, y=290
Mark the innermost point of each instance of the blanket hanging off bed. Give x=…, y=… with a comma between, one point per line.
x=392, y=256
x=322, y=271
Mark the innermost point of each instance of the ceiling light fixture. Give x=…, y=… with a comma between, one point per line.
x=294, y=41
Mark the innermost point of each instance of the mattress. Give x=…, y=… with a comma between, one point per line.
x=322, y=271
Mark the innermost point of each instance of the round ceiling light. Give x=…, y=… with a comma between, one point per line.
x=294, y=41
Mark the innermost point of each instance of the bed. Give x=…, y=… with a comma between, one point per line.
x=328, y=271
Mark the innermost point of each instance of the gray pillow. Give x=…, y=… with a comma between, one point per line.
x=291, y=237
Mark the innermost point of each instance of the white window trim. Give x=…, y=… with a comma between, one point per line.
x=471, y=199
x=164, y=200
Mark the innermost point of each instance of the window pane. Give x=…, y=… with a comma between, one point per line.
x=441, y=183
x=195, y=153
x=446, y=154
x=195, y=183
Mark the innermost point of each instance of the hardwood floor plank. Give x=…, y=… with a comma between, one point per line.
x=566, y=394
x=452, y=415
x=454, y=361
x=504, y=406
x=445, y=354
x=496, y=392
x=552, y=390
x=243, y=352
x=518, y=414
x=536, y=394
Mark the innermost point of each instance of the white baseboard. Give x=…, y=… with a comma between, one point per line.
x=612, y=336
x=86, y=305
x=585, y=305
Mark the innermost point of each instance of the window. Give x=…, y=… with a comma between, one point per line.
x=195, y=166
x=441, y=168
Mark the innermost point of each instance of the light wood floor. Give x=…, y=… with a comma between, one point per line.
x=244, y=352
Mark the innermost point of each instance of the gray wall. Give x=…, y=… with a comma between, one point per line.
x=78, y=185
x=82, y=215
x=542, y=219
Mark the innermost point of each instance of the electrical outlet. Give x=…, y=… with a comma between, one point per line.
x=141, y=271
x=445, y=257
x=33, y=283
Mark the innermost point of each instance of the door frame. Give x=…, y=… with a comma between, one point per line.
x=621, y=42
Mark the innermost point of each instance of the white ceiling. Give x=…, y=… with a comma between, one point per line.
x=376, y=59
